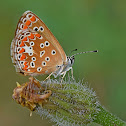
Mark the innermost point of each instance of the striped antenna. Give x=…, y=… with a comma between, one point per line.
x=84, y=52
x=72, y=51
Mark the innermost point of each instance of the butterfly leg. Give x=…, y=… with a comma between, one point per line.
x=30, y=113
x=63, y=76
x=48, y=76
x=72, y=73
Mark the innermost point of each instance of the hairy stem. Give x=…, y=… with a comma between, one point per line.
x=74, y=103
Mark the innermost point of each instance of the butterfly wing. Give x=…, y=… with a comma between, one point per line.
x=32, y=21
x=33, y=54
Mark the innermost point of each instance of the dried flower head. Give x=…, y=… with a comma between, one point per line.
x=30, y=94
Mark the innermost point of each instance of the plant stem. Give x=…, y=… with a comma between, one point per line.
x=75, y=104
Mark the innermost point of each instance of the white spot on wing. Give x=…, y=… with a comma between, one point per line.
x=19, y=42
x=18, y=49
x=29, y=15
x=35, y=28
x=40, y=37
x=32, y=43
x=47, y=59
x=21, y=62
x=18, y=56
x=33, y=58
x=42, y=53
x=32, y=64
x=39, y=69
x=41, y=29
x=43, y=63
x=21, y=26
x=28, y=69
x=22, y=37
x=53, y=52
x=41, y=45
x=28, y=49
x=47, y=43
x=24, y=20
x=27, y=33
x=30, y=54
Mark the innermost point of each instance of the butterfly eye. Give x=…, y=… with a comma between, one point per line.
x=42, y=45
x=33, y=59
x=24, y=20
x=43, y=63
x=47, y=59
x=35, y=28
x=47, y=43
x=41, y=28
x=39, y=69
x=53, y=52
x=31, y=43
x=29, y=15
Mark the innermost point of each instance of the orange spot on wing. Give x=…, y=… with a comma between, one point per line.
x=38, y=35
x=25, y=63
x=31, y=36
x=25, y=27
x=22, y=57
x=25, y=67
x=28, y=22
x=24, y=39
x=33, y=18
x=22, y=50
x=22, y=44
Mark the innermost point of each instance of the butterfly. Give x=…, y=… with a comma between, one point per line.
x=35, y=50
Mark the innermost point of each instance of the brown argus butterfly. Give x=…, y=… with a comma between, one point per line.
x=36, y=51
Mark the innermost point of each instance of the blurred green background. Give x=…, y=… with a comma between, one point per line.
x=82, y=24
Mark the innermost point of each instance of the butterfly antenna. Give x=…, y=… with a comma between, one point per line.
x=72, y=51
x=84, y=52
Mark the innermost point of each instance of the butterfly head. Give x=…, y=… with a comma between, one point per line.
x=70, y=60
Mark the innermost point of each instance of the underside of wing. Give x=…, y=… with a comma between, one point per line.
x=32, y=21
x=34, y=54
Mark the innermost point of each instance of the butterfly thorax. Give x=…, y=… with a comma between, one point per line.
x=66, y=66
